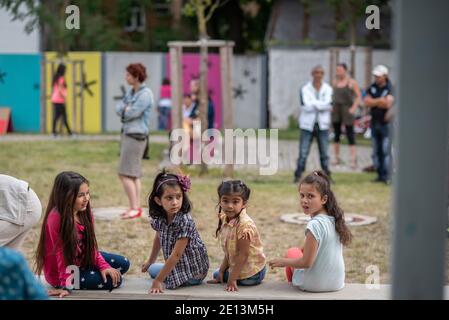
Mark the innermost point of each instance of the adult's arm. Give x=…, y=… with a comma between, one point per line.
x=358, y=95
x=382, y=102
x=136, y=109
x=324, y=104
x=308, y=101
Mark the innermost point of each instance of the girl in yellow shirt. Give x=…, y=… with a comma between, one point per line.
x=244, y=260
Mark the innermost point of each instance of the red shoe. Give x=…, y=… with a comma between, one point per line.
x=132, y=213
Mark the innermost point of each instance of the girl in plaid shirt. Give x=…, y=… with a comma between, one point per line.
x=185, y=255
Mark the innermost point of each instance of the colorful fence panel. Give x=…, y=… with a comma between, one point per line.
x=84, y=94
x=115, y=85
x=20, y=89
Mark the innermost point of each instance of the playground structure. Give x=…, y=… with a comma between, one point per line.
x=76, y=95
x=225, y=49
x=366, y=52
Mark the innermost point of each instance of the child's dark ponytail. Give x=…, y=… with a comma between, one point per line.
x=235, y=187
x=220, y=222
x=322, y=183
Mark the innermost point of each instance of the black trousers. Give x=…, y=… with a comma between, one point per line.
x=59, y=111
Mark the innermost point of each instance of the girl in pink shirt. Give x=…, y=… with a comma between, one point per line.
x=67, y=242
x=164, y=106
x=58, y=96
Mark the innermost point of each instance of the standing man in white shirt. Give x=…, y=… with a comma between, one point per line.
x=314, y=120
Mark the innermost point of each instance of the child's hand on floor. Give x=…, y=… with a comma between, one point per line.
x=232, y=286
x=61, y=293
x=156, y=287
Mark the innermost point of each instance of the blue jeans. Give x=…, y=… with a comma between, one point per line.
x=90, y=279
x=251, y=281
x=155, y=268
x=381, y=149
x=164, y=118
x=305, y=142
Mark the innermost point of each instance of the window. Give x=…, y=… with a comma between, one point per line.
x=161, y=8
x=136, y=21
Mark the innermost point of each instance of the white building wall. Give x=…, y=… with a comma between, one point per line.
x=13, y=38
x=289, y=70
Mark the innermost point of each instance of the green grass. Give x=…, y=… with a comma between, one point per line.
x=39, y=162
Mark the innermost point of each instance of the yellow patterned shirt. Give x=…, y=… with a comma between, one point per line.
x=240, y=228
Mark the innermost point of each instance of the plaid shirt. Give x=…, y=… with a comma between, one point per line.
x=194, y=263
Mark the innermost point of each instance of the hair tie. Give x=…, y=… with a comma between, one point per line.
x=184, y=181
x=315, y=173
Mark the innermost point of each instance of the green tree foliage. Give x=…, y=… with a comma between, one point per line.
x=245, y=22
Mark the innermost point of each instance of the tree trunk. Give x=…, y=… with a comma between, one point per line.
x=306, y=20
x=176, y=10
x=339, y=21
x=203, y=75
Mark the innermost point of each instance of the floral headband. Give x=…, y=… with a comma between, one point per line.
x=184, y=182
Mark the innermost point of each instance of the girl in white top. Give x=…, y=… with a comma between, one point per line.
x=319, y=265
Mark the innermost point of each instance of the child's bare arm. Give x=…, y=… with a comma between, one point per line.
x=154, y=253
x=170, y=263
x=306, y=261
x=156, y=248
x=224, y=264
x=223, y=267
x=243, y=253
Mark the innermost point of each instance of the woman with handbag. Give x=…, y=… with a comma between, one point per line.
x=134, y=112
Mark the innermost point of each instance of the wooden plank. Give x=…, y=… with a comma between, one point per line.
x=176, y=76
x=368, y=66
x=209, y=43
x=226, y=84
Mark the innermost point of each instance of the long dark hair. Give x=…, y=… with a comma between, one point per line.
x=321, y=182
x=62, y=198
x=231, y=187
x=163, y=180
x=60, y=71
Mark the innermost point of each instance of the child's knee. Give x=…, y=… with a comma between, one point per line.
x=125, y=265
x=154, y=269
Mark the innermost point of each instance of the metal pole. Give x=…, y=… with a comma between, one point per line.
x=227, y=105
x=421, y=186
x=83, y=79
x=176, y=84
x=74, y=122
x=43, y=113
x=368, y=66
